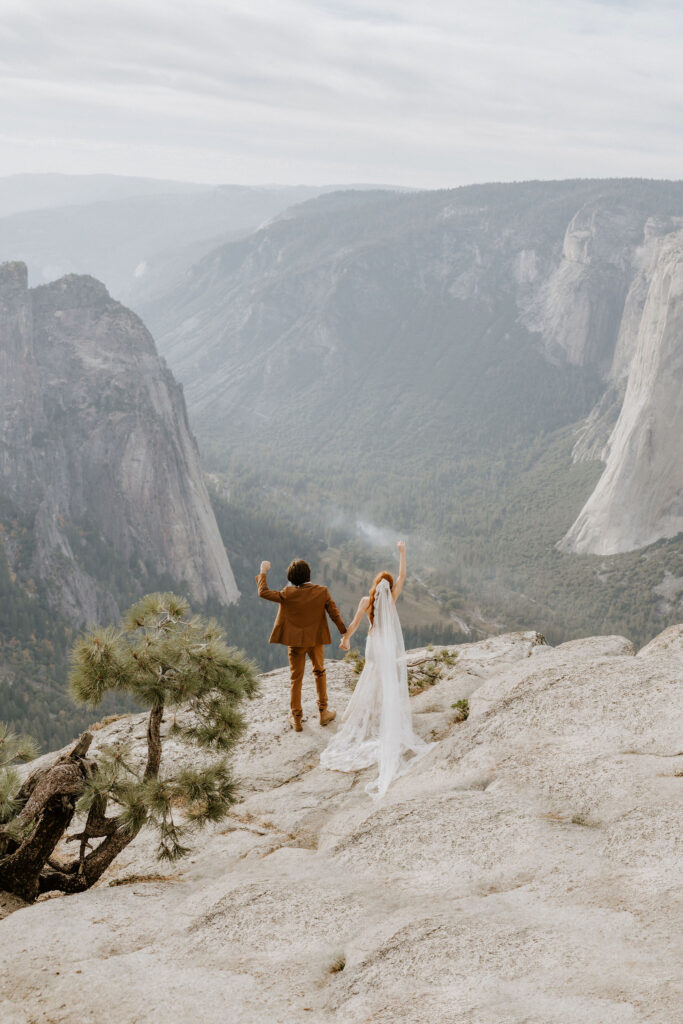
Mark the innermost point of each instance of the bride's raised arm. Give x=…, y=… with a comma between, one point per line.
x=398, y=585
x=360, y=612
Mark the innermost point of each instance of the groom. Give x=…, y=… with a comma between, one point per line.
x=301, y=625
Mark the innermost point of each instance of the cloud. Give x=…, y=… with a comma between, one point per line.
x=313, y=91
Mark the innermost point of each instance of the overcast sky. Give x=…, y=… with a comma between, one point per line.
x=294, y=91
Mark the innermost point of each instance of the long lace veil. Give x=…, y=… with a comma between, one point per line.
x=377, y=725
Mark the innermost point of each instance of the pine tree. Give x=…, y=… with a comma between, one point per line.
x=13, y=748
x=167, y=661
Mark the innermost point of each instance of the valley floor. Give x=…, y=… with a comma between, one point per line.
x=525, y=871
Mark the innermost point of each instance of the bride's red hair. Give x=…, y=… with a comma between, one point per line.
x=378, y=579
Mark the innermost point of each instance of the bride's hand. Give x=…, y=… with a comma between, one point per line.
x=401, y=545
x=345, y=643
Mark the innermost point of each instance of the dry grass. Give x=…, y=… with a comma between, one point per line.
x=356, y=660
x=134, y=879
x=585, y=821
x=462, y=710
x=106, y=721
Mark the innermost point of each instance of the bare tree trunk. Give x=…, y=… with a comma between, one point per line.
x=83, y=873
x=154, y=741
x=71, y=879
x=50, y=797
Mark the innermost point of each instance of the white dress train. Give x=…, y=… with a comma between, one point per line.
x=377, y=726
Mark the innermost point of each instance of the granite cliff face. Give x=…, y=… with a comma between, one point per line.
x=639, y=497
x=96, y=454
x=526, y=870
x=614, y=299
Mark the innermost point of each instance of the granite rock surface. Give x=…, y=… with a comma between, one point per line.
x=527, y=871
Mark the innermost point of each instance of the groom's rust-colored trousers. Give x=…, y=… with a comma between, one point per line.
x=297, y=664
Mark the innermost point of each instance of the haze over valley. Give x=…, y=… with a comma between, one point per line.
x=494, y=371
x=460, y=365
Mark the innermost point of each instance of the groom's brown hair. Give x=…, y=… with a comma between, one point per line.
x=299, y=572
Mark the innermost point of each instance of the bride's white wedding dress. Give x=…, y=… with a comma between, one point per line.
x=377, y=724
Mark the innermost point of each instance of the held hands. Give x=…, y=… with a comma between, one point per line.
x=265, y=566
x=345, y=642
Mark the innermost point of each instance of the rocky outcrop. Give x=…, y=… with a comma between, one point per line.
x=525, y=870
x=577, y=306
x=95, y=449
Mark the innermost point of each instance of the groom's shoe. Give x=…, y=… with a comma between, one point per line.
x=295, y=723
x=327, y=716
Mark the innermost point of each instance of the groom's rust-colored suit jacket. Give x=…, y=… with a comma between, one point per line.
x=301, y=618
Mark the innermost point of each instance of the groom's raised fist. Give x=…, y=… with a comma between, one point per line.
x=265, y=566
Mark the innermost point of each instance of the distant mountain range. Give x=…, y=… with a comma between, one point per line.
x=135, y=234
x=22, y=192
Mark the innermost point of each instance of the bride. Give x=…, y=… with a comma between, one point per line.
x=377, y=724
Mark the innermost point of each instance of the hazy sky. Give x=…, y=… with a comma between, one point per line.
x=295, y=91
